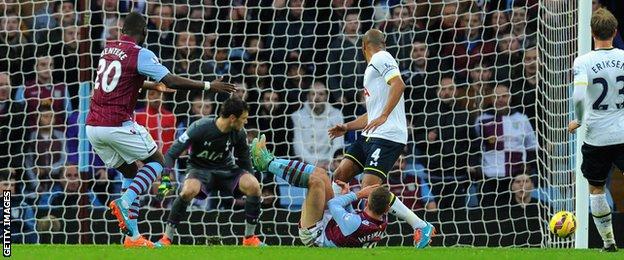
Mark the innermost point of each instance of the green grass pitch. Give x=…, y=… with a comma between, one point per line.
x=298, y=253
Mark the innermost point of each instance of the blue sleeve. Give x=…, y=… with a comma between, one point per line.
x=347, y=222
x=148, y=65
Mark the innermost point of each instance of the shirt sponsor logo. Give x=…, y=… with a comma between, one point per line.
x=183, y=138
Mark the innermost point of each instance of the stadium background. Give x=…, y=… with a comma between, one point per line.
x=277, y=52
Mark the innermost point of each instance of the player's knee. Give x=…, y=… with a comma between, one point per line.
x=157, y=157
x=370, y=179
x=321, y=174
x=339, y=174
x=249, y=185
x=345, y=171
x=315, y=181
x=190, y=190
x=596, y=189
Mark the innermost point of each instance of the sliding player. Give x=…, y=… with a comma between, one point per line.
x=384, y=128
x=119, y=141
x=325, y=221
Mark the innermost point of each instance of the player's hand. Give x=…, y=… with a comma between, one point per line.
x=163, y=88
x=344, y=187
x=372, y=126
x=164, y=188
x=337, y=131
x=218, y=85
x=572, y=126
x=364, y=192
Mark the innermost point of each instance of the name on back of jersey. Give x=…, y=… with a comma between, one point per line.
x=605, y=64
x=115, y=51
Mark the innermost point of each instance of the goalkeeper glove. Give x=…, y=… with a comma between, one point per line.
x=165, y=187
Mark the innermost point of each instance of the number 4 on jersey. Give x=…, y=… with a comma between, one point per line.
x=375, y=157
x=103, y=74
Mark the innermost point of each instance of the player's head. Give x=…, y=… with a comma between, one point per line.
x=235, y=111
x=379, y=200
x=373, y=41
x=603, y=25
x=135, y=26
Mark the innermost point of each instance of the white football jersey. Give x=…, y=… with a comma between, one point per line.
x=380, y=70
x=602, y=71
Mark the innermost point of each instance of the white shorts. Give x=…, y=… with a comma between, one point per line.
x=315, y=235
x=118, y=144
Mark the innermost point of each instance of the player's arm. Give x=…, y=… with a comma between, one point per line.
x=578, y=97
x=347, y=222
x=341, y=129
x=389, y=70
x=242, y=154
x=157, y=86
x=181, y=144
x=148, y=65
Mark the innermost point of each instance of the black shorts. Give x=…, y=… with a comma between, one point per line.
x=374, y=155
x=598, y=160
x=225, y=181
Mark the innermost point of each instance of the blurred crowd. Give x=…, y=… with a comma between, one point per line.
x=470, y=68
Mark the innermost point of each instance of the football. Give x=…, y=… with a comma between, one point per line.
x=563, y=224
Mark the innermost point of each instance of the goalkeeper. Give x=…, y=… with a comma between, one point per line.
x=212, y=165
x=325, y=221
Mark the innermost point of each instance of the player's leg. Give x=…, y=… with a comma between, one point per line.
x=246, y=184
x=380, y=158
x=128, y=171
x=351, y=165
x=133, y=143
x=99, y=137
x=316, y=198
x=192, y=186
x=319, y=192
x=597, y=162
x=144, y=177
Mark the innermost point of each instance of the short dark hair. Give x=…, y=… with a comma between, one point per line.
x=379, y=200
x=603, y=24
x=134, y=24
x=374, y=37
x=234, y=106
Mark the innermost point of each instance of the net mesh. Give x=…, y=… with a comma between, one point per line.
x=485, y=175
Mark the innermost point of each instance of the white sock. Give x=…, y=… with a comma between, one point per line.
x=601, y=213
x=401, y=211
x=336, y=189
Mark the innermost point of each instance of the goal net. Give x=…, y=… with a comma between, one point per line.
x=488, y=160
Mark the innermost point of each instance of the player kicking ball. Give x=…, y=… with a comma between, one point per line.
x=325, y=220
x=120, y=142
x=384, y=130
x=219, y=158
